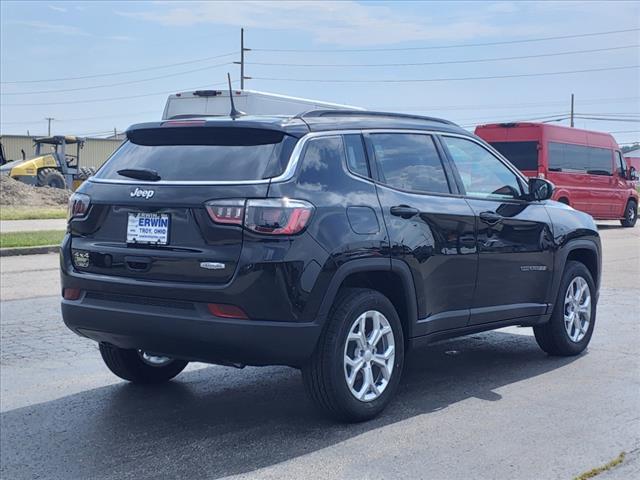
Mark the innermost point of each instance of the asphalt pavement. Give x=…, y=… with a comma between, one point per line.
x=489, y=405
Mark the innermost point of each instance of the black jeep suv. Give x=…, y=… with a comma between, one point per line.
x=333, y=241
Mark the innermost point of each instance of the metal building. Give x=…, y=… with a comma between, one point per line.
x=94, y=153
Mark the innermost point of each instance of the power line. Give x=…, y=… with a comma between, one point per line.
x=123, y=72
x=448, y=62
x=128, y=97
x=610, y=119
x=501, y=106
x=450, y=79
x=435, y=47
x=130, y=82
x=64, y=120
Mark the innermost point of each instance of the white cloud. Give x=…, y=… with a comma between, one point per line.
x=56, y=8
x=344, y=22
x=58, y=28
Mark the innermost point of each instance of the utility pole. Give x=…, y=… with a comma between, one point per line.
x=241, y=62
x=49, y=120
x=115, y=133
x=571, y=124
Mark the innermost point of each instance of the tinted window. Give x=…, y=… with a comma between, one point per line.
x=356, y=159
x=210, y=154
x=321, y=153
x=622, y=166
x=580, y=158
x=409, y=162
x=524, y=155
x=600, y=160
x=482, y=173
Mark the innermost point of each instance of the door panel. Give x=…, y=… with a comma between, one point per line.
x=515, y=260
x=429, y=229
x=514, y=238
x=438, y=244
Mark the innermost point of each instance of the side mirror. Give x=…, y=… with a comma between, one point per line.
x=540, y=189
x=633, y=174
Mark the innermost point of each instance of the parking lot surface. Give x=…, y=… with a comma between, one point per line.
x=489, y=405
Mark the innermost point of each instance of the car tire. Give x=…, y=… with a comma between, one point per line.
x=50, y=177
x=339, y=356
x=136, y=367
x=566, y=333
x=630, y=214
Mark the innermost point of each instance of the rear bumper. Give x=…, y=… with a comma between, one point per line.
x=190, y=334
x=172, y=318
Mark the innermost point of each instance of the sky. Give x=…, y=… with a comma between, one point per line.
x=99, y=66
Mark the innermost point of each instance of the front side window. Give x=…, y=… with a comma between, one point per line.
x=622, y=166
x=483, y=174
x=409, y=161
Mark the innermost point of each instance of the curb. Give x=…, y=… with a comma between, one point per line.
x=10, y=252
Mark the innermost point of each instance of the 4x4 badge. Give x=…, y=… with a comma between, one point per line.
x=138, y=192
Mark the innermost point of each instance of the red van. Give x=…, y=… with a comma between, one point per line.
x=586, y=167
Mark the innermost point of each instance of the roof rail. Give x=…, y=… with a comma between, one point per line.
x=368, y=113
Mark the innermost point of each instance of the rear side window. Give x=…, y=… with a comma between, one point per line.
x=202, y=154
x=356, y=159
x=579, y=158
x=409, y=162
x=523, y=155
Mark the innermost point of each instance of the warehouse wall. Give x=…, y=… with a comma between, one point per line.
x=94, y=153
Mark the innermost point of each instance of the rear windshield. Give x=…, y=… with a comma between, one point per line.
x=202, y=154
x=524, y=155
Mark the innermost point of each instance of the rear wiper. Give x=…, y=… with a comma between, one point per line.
x=140, y=174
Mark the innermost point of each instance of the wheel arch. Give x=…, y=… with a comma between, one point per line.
x=391, y=278
x=584, y=251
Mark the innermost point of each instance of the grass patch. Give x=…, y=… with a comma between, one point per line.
x=32, y=213
x=603, y=468
x=31, y=239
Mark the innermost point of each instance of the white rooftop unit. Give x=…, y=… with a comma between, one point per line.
x=216, y=103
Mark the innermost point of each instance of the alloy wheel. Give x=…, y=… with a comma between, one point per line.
x=369, y=356
x=577, y=309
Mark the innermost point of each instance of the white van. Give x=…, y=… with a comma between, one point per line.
x=216, y=103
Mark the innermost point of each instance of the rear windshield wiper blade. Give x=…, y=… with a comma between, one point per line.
x=140, y=174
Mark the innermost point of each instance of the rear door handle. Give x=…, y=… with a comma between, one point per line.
x=490, y=217
x=404, y=211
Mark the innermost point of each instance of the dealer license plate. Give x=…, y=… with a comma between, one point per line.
x=148, y=228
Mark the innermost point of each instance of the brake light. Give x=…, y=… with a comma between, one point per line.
x=273, y=216
x=78, y=206
x=224, y=310
x=184, y=123
x=281, y=216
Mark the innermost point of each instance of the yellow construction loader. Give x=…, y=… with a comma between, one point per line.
x=58, y=167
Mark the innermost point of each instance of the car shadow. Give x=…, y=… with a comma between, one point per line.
x=216, y=421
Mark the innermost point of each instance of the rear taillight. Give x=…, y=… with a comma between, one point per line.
x=230, y=212
x=78, y=205
x=273, y=216
x=278, y=216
